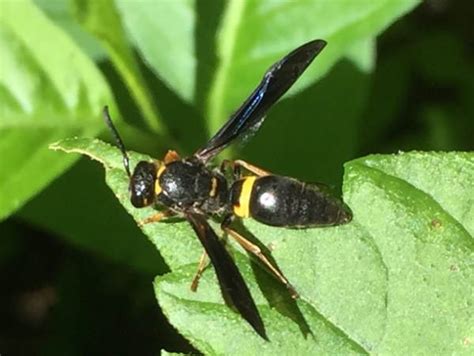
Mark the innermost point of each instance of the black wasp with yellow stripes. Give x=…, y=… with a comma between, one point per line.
x=193, y=189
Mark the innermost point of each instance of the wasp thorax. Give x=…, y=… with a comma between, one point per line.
x=142, y=184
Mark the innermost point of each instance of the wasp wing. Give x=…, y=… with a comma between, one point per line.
x=230, y=280
x=276, y=81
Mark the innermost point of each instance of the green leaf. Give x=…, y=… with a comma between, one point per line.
x=252, y=35
x=102, y=19
x=363, y=54
x=166, y=353
x=447, y=178
x=213, y=328
x=417, y=209
x=163, y=33
x=396, y=280
x=93, y=220
x=256, y=33
x=60, y=13
x=49, y=90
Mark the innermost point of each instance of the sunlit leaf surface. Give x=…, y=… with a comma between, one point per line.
x=42, y=100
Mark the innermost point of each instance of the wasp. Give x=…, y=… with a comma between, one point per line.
x=193, y=189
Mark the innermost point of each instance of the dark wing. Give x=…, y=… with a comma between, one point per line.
x=276, y=81
x=230, y=280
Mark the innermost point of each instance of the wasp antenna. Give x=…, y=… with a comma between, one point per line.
x=118, y=140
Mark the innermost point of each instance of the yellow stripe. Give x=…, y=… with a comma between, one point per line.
x=243, y=208
x=213, y=191
x=157, y=181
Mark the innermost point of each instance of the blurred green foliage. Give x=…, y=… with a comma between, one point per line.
x=173, y=72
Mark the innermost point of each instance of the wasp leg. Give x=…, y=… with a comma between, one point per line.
x=225, y=164
x=171, y=156
x=251, y=168
x=161, y=215
x=203, y=263
x=256, y=251
x=238, y=164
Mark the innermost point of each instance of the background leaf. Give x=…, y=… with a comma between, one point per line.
x=42, y=100
x=246, y=42
x=165, y=27
x=60, y=13
x=102, y=19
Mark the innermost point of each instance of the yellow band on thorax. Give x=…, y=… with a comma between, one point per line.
x=243, y=208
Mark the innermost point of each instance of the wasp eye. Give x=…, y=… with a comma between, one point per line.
x=142, y=184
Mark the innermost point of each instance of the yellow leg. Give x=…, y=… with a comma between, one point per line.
x=156, y=217
x=238, y=164
x=171, y=156
x=251, y=168
x=256, y=251
x=203, y=262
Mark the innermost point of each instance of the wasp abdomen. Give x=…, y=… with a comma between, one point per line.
x=283, y=201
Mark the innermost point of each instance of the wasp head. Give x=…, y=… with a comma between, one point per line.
x=142, y=184
x=142, y=181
